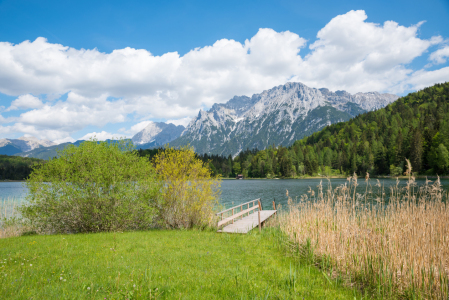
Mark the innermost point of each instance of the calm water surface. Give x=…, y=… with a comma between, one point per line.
x=234, y=192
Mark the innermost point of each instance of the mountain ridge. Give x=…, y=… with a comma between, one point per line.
x=279, y=115
x=22, y=144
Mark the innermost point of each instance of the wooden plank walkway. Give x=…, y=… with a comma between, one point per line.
x=248, y=223
x=239, y=223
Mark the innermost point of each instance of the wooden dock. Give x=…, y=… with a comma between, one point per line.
x=239, y=223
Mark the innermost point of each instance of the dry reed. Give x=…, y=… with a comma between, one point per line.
x=10, y=221
x=399, y=246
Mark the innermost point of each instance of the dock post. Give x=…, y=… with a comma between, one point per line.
x=260, y=226
x=232, y=214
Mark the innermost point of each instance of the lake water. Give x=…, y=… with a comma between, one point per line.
x=234, y=192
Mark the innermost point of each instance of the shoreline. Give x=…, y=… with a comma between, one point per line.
x=344, y=177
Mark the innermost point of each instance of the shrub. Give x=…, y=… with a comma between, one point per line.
x=97, y=186
x=190, y=193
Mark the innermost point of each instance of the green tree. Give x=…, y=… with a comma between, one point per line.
x=440, y=158
x=236, y=168
x=93, y=187
x=416, y=151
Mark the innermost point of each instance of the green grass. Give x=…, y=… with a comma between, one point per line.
x=173, y=264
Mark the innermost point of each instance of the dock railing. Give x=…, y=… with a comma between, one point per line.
x=239, y=211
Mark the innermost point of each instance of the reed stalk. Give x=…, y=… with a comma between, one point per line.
x=399, y=248
x=10, y=221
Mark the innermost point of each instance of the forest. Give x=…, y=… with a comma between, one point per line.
x=16, y=167
x=415, y=127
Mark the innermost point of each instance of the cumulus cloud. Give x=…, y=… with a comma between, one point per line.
x=25, y=102
x=133, y=84
x=422, y=78
x=101, y=136
x=440, y=56
x=65, y=140
x=360, y=56
x=135, y=128
x=184, y=121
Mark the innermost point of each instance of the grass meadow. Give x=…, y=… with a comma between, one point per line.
x=160, y=264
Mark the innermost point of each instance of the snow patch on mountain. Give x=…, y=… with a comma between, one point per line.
x=157, y=134
x=288, y=112
x=26, y=143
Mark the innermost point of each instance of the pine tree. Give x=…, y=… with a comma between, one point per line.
x=416, y=150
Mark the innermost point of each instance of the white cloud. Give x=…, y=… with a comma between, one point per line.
x=136, y=128
x=101, y=136
x=132, y=84
x=440, y=56
x=360, y=56
x=26, y=101
x=65, y=140
x=184, y=121
x=422, y=78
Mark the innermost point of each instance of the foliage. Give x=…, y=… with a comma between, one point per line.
x=159, y=264
x=93, y=187
x=190, y=193
x=16, y=167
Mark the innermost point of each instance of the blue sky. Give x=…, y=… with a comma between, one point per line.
x=109, y=68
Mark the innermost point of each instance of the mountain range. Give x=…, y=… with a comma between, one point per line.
x=157, y=134
x=276, y=116
x=22, y=144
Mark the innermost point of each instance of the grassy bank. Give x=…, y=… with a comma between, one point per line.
x=398, y=249
x=175, y=264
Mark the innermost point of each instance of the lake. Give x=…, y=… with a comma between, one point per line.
x=234, y=192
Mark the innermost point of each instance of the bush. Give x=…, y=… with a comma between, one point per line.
x=190, y=193
x=97, y=186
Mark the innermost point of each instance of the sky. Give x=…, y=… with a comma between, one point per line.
x=72, y=70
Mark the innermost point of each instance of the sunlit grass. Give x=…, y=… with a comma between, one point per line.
x=181, y=264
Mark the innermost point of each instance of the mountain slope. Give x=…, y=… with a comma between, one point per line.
x=277, y=116
x=47, y=152
x=157, y=134
x=22, y=144
x=415, y=127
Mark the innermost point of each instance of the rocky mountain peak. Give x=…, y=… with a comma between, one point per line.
x=23, y=144
x=157, y=134
x=279, y=115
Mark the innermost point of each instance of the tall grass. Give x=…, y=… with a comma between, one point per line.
x=397, y=245
x=10, y=221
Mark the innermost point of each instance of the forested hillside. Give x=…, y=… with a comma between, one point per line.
x=414, y=127
x=16, y=167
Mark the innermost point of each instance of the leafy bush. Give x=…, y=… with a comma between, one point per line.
x=190, y=193
x=97, y=186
